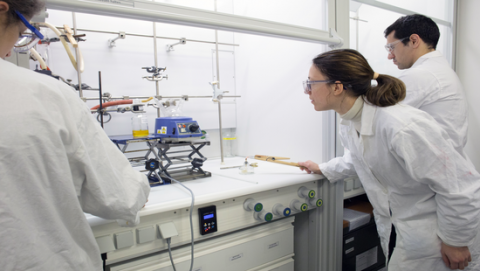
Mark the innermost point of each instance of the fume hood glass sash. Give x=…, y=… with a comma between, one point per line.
x=174, y=14
x=438, y=10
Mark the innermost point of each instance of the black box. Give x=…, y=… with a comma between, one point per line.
x=362, y=250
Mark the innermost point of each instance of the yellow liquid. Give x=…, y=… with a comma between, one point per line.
x=140, y=133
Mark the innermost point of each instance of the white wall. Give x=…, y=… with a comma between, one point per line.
x=468, y=70
x=275, y=117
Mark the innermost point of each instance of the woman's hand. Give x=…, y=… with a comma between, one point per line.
x=310, y=167
x=455, y=257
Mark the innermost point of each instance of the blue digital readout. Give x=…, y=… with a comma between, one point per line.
x=208, y=216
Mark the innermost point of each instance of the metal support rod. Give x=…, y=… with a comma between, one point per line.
x=162, y=97
x=216, y=57
x=216, y=54
x=220, y=127
x=358, y=34
x=100, y=98
x=79, y=75
x=218, y=87
x=452, y=39
x=357, y=19
x=157, y=86
x=147, y=36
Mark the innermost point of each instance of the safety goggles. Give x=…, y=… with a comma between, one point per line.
x=307, y=85
x=389, y=47
x=27, y=39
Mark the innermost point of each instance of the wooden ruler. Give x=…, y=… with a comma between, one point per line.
x=275, y=159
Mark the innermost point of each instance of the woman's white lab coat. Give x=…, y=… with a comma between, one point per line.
x=433, y=87
x=408, y=164
x=55, y=164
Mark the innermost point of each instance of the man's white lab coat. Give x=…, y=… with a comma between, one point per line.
x=408, y=164
x=55, y=164
x=432, y=86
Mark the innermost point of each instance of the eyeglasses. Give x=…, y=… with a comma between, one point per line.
x=307, y=85
x=27, y=39
x=389, y=47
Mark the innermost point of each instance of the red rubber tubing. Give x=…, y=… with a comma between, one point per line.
x=107, y=104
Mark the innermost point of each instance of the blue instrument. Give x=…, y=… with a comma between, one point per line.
x=177, y=129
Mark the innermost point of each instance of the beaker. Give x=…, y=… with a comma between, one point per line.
x=139, y=125
x=229, y=142
x=171, y=108
x=246, y=168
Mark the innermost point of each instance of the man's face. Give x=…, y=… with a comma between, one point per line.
x=402, y=55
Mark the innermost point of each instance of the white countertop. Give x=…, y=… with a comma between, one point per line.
x=224, y=184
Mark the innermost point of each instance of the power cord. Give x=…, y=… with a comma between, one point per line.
x=191, y=226
x=104, y=259
x=170, y=253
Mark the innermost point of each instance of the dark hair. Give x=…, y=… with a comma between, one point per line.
x=27, y=8
x=352, y=69
x=418, y=24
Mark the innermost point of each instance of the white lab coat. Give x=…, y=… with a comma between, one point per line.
x=408, y=164
x=55, y=164
x=432, y=86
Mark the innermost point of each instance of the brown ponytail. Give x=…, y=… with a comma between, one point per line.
x=389, y=91
x=352, y=69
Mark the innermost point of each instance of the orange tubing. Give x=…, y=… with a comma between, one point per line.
x=107, y=104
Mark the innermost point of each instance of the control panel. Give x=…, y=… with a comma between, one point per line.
x=187, y=128
x=232, y=214
x=177, y=128
x=208, y=219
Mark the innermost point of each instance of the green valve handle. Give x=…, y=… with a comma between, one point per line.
x=252, y=205
x=298, y=206
x=314, y=202
x=263, y=216
x=304, y=192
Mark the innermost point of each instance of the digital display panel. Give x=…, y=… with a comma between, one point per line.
x=208, y=219
x=208, y=216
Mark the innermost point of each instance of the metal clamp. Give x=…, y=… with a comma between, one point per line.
x=334, y=34
x=157, y=76
x=111, y=43
x=217, y=93
x=170, y=48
